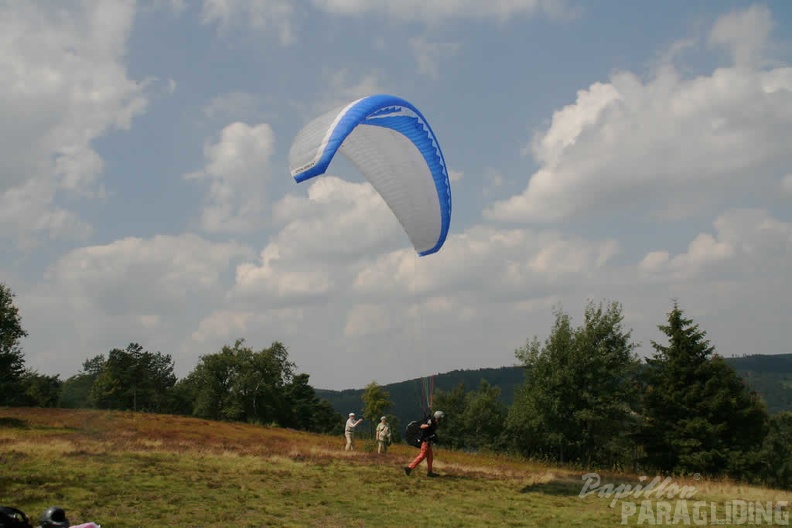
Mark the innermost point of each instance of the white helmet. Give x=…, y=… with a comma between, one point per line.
x=439, y=415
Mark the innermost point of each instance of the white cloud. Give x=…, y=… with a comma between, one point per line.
x=744, y=33
x=786, y=183
x=261, y=15
x=322, y=235
x=342, y=87
x=143, y=276
x=266, y=281
x=63, y=86
x=238, y=169
x=231, y=106
x=99, y=297
x=176, y=7
x=670, y=146
x=224, y=326
x=746, y=241
x=508, y=264
x=430, y=55
x=367, y=319
x=337, y=217
x=431, y=12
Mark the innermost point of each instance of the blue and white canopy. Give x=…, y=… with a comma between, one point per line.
x=392, y=144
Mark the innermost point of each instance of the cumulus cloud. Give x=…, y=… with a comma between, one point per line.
x=745, y=34
x=143, y=276
x=506, y=263
x=64, y=85
x=145, y=290
x=321, y=235
x=668, y=146
x=745, y=242
x=238, y=170
x=225, y=325
x=335, y=217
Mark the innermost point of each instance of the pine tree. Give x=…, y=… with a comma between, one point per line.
x=699, y=415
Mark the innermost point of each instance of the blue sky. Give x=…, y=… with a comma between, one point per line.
x=636, y=152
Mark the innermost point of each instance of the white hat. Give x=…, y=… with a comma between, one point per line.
x=351, y=414
x=383, y=418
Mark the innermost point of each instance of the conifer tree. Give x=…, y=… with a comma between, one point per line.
x=699, y=415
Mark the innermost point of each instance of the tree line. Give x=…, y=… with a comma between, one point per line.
x=235, y=384
x=587, y=399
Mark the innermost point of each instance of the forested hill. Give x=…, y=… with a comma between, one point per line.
x=769, y=375
x=406, y=395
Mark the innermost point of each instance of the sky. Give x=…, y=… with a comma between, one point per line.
x=637, y=152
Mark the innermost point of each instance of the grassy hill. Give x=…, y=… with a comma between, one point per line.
x=123, y=470
x=770, y=376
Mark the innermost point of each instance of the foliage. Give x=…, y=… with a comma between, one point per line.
x=453, y=404
x=407, y=399
x=483, y=418
x=306, y=411
x=41, y=390
x=376, y=402
x=238, y=384
x=12, y=362
x=770, y=376
x=133, y=379
x=473, y=419
x=76, y=391
x=699, y=415
x=576, y=401
x=776, y=458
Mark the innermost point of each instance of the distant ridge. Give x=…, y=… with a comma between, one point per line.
x=769, y=375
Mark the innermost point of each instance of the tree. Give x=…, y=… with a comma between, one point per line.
x=238, y=384
x=306, y=411
x=41, y=390
x=483, y=418
x=576, y=400
x=134, y=379
x=75, y=393
x=12, y=362
x=776, y=459
x=699, y=415
x=376, y=402
x=453, y=403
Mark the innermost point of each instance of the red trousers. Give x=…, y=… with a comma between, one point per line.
x=426, y=452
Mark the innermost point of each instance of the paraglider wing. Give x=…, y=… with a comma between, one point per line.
x=390, y=142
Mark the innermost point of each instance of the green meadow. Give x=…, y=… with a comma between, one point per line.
x=122, y=469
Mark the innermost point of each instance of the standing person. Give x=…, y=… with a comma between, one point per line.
x=383, y=435
x=349, y=432
x=428, y=437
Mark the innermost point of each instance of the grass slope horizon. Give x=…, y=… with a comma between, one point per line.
x=124, y=469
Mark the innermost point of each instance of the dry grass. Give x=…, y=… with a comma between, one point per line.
x=124, y=469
